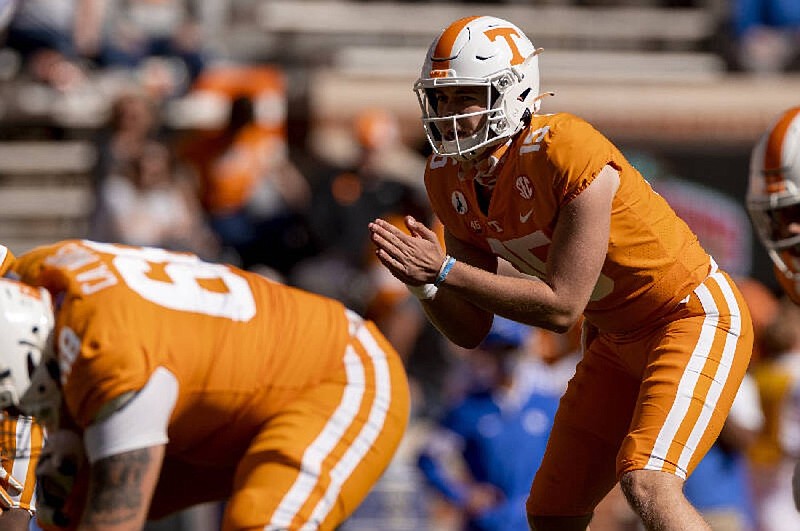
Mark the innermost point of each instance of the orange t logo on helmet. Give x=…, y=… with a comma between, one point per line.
x=774, y=181
x=506, y=33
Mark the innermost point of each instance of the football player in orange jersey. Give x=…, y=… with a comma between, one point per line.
x=773, y=201
x=183, y=381
x=667, y=335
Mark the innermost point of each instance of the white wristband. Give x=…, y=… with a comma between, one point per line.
x=423, y=291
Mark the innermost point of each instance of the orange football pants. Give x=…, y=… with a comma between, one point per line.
x=652, y=399
x=314, y=461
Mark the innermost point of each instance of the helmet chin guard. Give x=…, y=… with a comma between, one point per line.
x=484, y=52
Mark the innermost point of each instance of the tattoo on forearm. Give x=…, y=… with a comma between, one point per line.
x=117, y=492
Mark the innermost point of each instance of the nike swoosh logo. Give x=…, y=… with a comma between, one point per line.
x=524, y=217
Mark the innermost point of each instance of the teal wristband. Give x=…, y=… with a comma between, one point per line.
x=447, y=265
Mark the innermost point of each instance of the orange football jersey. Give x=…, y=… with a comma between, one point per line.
x=123, y=311
x=653, y=259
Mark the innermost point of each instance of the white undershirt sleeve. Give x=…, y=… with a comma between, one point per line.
x=140, y=423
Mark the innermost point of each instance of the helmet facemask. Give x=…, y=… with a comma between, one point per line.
x=778, y=228
x=495, y=125
x=773, y=195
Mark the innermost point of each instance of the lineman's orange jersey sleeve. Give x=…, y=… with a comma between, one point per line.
x=124, y=311
x=653, y=259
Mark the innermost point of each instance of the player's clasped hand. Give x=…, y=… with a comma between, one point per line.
x=413, y=259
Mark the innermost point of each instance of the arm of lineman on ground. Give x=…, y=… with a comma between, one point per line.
x=128, y=443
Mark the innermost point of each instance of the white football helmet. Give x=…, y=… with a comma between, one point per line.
x=773, y=195
x=26, y=326
x=480, y=51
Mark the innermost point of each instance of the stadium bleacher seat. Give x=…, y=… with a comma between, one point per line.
x=46, y=191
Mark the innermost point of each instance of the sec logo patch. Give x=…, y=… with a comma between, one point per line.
x=524, y=187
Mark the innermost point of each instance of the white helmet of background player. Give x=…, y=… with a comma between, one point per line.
x=480, y=51
x=26, y=326
x=773, y=195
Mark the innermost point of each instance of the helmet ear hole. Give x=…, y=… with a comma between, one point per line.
x=31, y=364
x=494, y=95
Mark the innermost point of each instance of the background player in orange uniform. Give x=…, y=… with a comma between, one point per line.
x=773, y=201
x=773, y=197
x=667, y=335
x=185, y=382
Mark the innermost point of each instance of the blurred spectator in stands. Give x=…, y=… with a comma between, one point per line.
x=381, y=150
x=134, y=120
x=153, y=204
x=140, y=30
x=256, y=198
x=382, y=180
x=7, y=9
x=55, y=36
x=483, y=454
x=775, y=452
x=767, y=35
